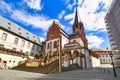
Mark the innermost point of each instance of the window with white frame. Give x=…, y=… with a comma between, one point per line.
x=23, y=43
x=33, y=47
x=16, y=41
x=4, y=36
x=28, y=46
x=37, y=49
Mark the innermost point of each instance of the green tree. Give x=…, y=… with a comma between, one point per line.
x=45, y=58
x=37, y=56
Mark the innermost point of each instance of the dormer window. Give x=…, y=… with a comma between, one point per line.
x=19, y=32
x=9, y=28
x=33, y=36
x=19, y=28
x=27, y=33
x=9, y=23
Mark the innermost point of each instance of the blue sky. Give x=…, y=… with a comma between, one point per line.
x=37, y=15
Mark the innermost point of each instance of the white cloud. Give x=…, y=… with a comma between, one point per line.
x=70, y=6
x=94, y=41
x=42, y=39
x=34, y=4
x=74, y=2
x=79, y=2
x=61, y=14
x=68, y=30
x=5, y=7
x=92, y=20
x=90, y=5
x=37, y=21
x=69, y=16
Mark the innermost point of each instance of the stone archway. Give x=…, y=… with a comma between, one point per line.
x=79, y=58
x=75, y=54
x=67, y=58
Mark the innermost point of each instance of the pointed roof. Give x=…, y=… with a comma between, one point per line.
x=77, y=18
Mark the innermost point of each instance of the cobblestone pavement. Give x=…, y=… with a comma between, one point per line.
x=19, y=75
x=88, y=74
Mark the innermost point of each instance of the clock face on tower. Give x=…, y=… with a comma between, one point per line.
x=76, y=30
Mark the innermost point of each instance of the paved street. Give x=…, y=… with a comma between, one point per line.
x=89, y=74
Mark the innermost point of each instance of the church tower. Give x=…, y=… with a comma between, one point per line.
x=78, y=28
x=77, y=25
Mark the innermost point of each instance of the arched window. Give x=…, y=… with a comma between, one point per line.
x=55, y=44
x=48, y=46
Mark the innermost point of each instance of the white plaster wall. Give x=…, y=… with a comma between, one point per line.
x=66, y=63
x=82, y=51
x=75, y=60
x=11, y=60
x=95, y=62
x=9, y=43
x=78, y=61
x=83, y=63
x=64, y=41
x=70, y=61
x=87, y=57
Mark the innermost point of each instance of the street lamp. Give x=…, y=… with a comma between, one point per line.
x=59, y=56
x=111, y=55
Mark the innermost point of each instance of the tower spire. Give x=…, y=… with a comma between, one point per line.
x=76, y=20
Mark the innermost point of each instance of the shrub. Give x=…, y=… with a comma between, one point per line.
x=37, y=56
x=45, y=58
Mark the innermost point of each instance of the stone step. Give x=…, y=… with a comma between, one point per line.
x=41, y=69
x=71, y=67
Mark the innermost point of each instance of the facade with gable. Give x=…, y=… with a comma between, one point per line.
x=73, y=46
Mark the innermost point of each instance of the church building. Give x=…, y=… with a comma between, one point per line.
x=74, y=46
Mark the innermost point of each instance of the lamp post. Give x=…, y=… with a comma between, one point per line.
x=59, y=57
x=59, y=62
x=111, y=55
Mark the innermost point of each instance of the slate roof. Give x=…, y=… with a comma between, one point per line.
x=74, y=35
x=17, y=30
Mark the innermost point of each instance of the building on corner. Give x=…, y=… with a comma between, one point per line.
x=112, y=21
x=74, y=46
x=16, y=43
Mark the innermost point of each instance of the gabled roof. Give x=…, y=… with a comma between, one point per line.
x=63, y=32
x=17, y=30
